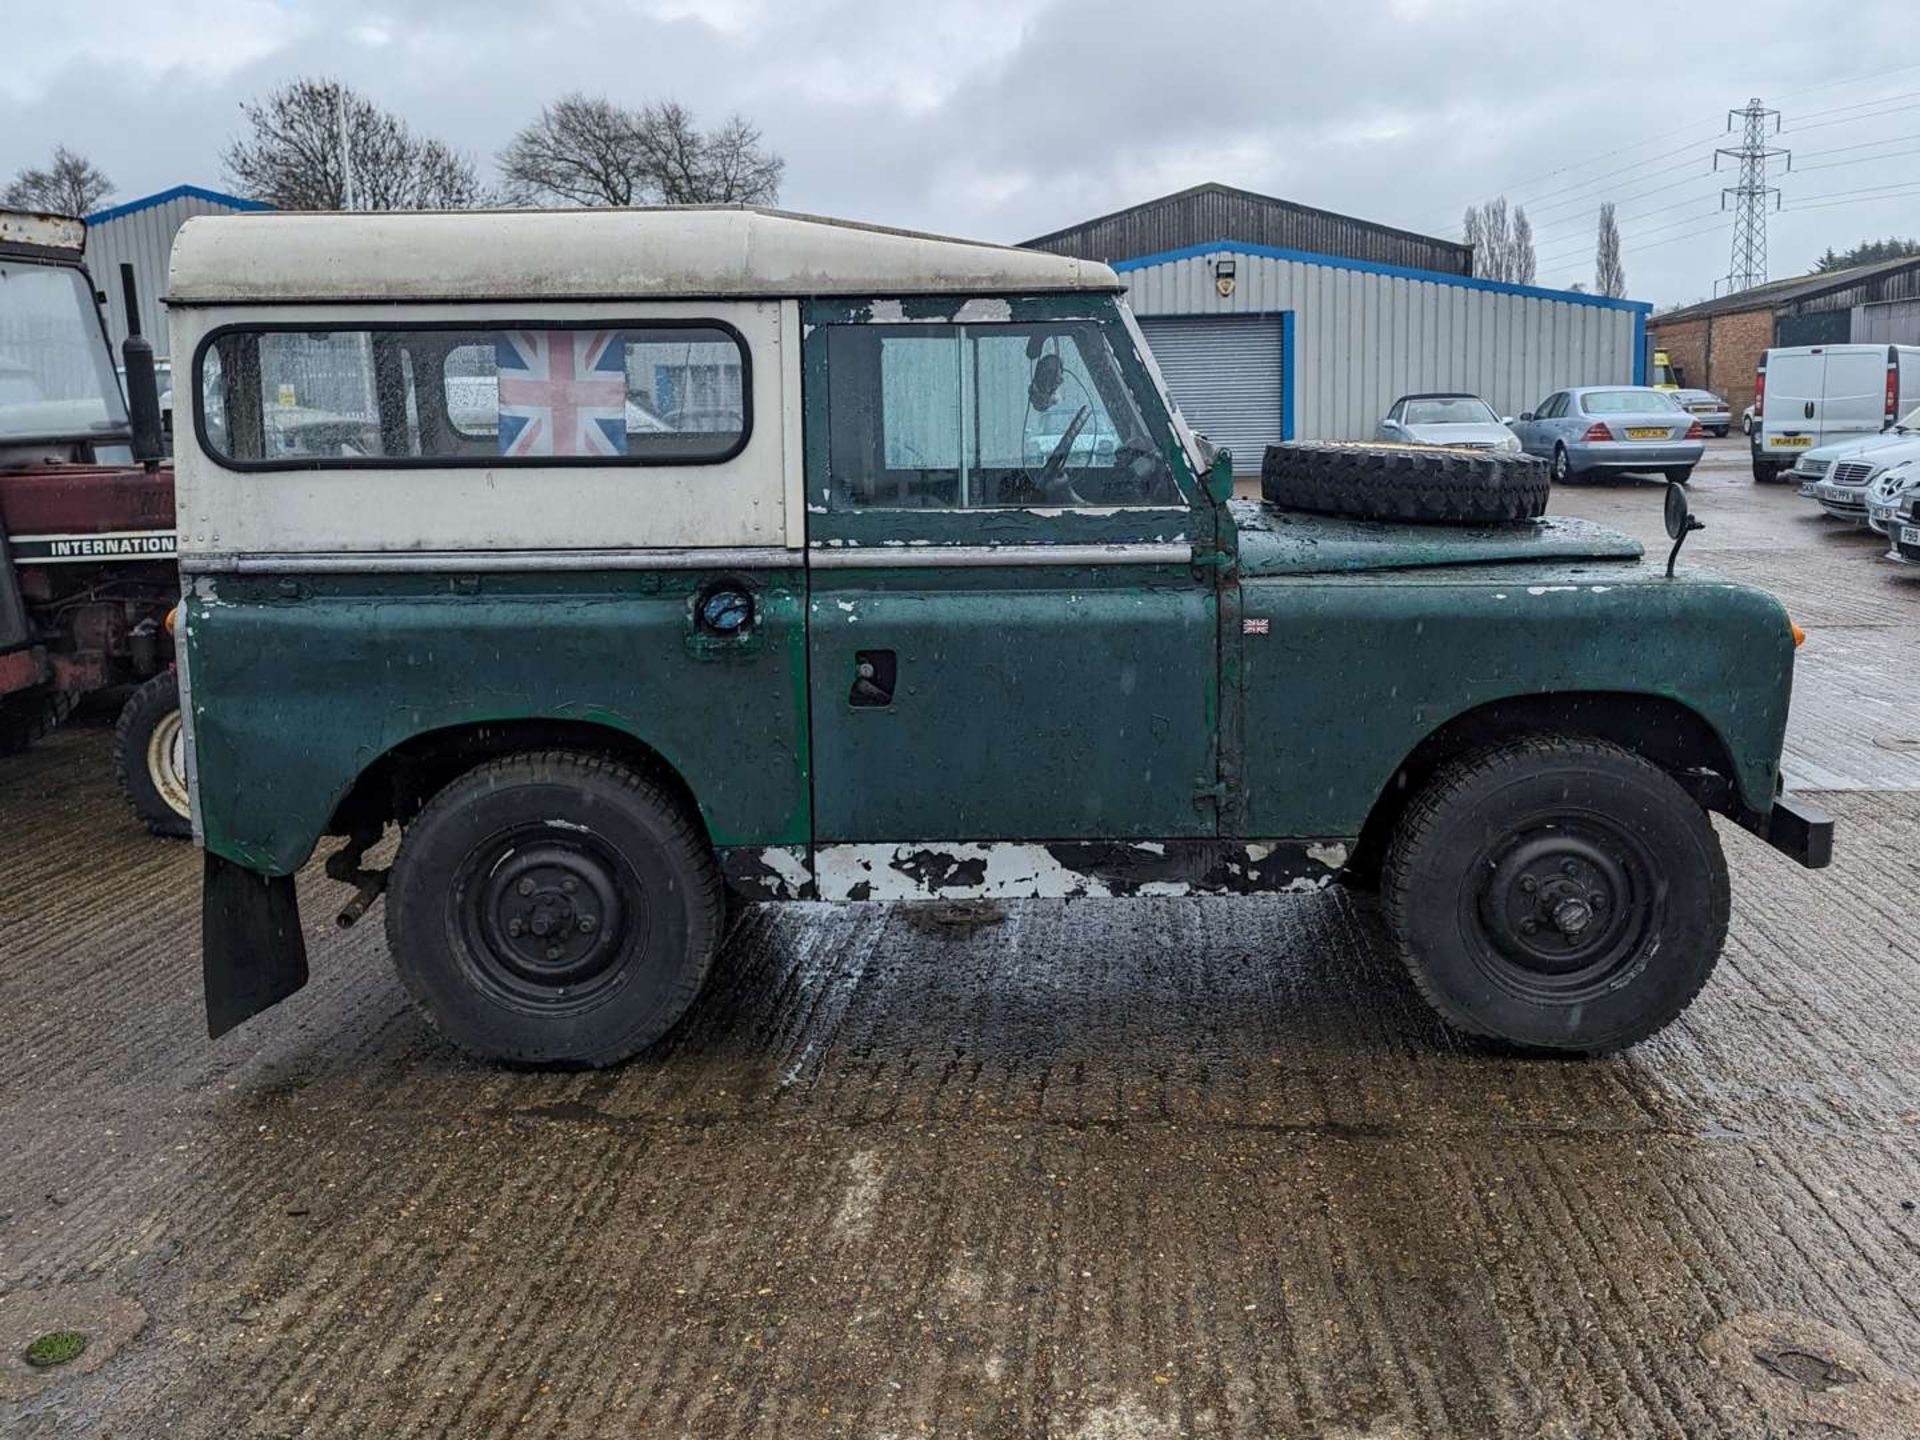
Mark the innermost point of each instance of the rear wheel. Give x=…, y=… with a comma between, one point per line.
x=1765, y=471
x=554, y=909
x=1679, y=474
x=150, y=757
x=1558, y=893
x=1563, y=470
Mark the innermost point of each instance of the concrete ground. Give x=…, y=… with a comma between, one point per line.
x=1096, y=1170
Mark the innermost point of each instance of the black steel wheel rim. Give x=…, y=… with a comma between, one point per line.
x=1563, y=908
x=546, y=916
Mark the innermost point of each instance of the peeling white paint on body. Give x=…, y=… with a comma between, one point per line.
x=1009, y=871
x=1332, y=856
x=789, y=863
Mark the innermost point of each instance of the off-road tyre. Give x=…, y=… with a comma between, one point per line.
x=1504, y=837
x=148, y=757
x=564, y=838
x=32, y=715
x=1424, y=483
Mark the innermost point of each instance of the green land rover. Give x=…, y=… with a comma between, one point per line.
x=636, y=562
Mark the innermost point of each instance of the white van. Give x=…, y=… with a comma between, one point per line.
x=1810, y=395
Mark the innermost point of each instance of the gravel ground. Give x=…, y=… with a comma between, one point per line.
x=1099, y=1170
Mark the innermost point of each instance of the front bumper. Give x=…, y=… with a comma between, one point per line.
x=1796, y=829
x=1903, y=549
x=1843, y=502
x=1635, y=454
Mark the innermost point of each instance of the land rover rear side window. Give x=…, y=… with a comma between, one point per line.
x=285, y=398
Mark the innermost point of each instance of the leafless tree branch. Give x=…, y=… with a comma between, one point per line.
x=70, y=185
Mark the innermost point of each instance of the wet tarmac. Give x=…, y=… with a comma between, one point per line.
x=1086, y=1170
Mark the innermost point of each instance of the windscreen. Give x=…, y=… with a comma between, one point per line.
x=1627, y=402
x=1450, y=410
x=56, y=377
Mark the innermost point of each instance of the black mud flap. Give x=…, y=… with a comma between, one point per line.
x=252, y=953
x=1797, y=829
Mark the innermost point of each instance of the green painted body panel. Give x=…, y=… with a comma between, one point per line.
x=1029, y=704
x=295, y=694
x=1287, y=542
x=1354, y=672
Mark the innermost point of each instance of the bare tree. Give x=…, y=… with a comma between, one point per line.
x=1609, y=276
x=1522, y=260
x=585, y=150
x=70, y=185
x=582, y=150
x=738, y=168
x=1502, y=242
x=315, y=144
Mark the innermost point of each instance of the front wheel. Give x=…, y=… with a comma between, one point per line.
x=555, y=908
x=1558, y=893
x=150, y=757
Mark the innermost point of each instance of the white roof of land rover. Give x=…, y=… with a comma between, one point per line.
x=720, y=250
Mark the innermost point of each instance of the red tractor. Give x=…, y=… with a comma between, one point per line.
x=87, y=570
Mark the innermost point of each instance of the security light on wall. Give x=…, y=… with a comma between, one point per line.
x=1223, y=282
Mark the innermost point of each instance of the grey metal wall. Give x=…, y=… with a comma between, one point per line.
x=1894, y=322
x=144, y=237
x=1362, y=339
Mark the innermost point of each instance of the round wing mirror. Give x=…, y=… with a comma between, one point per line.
x=1678, y=512
x=1681, y=521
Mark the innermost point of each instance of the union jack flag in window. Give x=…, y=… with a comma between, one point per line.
x=562, y=392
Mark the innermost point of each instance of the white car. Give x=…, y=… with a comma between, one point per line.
x=1870, y=478
x=1816, y=466
x=1460, y=420
x=1897, y=477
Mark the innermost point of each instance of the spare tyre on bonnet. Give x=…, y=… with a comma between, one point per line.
x=1431, y=483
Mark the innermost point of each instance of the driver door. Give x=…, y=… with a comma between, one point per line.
x=1007, y=638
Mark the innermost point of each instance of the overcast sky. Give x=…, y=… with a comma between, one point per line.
x=1003, y=119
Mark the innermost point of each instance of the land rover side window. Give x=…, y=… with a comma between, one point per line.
x=942, y=416
x=535, y=395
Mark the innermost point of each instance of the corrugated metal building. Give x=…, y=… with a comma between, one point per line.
x=1292, y=323
x=141, y=232
x=1718, y=343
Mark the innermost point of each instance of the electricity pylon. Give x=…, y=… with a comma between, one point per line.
x=1748, y=266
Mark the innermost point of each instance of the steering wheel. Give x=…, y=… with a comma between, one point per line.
x=1050, y=475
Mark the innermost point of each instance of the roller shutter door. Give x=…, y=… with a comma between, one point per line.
x=1225, y=372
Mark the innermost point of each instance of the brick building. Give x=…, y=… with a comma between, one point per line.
x=1718, y=343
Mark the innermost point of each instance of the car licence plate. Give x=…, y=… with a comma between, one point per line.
x=1645, y=433
x=1910, y=534
x=1880, y=512
x=1790, y=442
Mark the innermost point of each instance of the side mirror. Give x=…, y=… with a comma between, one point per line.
x=1524, y=416
x=1219, y=478
x=1681, y=521
x=1506, y=420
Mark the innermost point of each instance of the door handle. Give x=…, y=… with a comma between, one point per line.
x=1809, y=409
x=874, y=672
